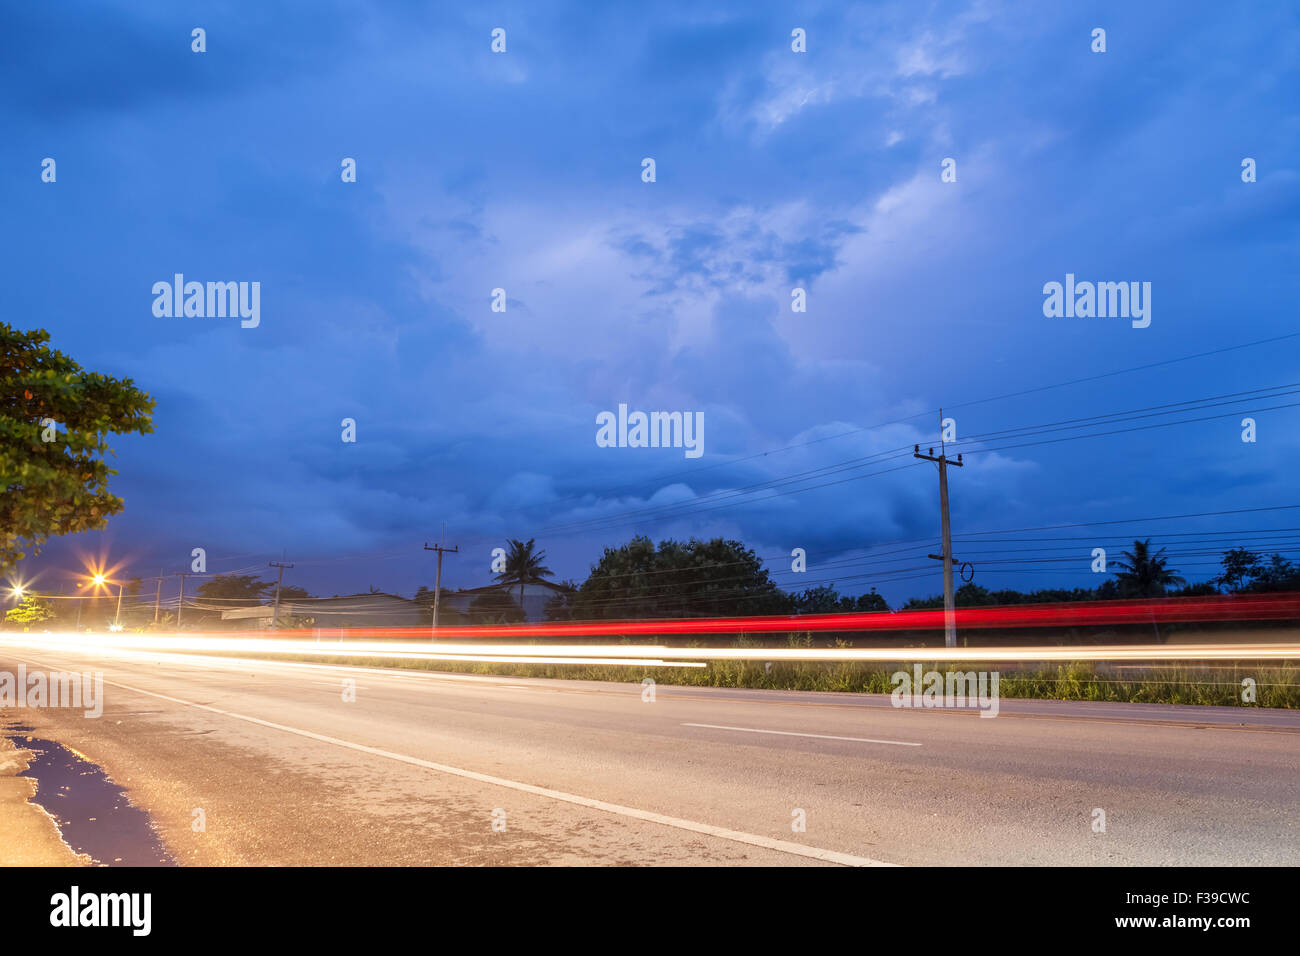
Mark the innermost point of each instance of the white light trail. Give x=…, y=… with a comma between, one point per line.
x=651, y=655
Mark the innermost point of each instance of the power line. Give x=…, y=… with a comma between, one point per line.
x=926, y=414
x=685, y=509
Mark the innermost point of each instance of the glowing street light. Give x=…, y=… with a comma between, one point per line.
x=99, y=579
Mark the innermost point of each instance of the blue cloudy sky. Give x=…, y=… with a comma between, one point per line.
x=775, y=169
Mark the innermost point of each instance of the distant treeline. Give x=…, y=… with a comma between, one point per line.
x=723, y=578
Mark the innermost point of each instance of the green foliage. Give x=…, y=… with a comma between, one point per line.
x=1280, y=574
x=826, y=600
x=1142, y=574
x=51, y=488
x=32, y=610
x=692, y=579
x=1239, y=566
x=1278, y=686
x=1145, y=574
x=523, y=565
x=232, y=589
x=1245, y=571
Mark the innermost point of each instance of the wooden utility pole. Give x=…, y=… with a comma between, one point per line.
x=437, y=585
x=180, y=604
x=157, y=601
x=275, y=615
x=943, y=461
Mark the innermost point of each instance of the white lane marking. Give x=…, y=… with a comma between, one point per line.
x=791, y=733
x=736, y=836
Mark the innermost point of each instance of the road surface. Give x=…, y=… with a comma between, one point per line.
x=433, y=769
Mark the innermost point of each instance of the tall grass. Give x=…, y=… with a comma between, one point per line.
x=1220, y=684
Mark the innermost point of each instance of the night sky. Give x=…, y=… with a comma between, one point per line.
x=522, y=170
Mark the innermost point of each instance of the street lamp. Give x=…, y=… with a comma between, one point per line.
x=99, y=579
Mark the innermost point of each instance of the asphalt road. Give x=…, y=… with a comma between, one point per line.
x=426, y=768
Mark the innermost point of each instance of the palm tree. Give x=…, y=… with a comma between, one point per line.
x=524, y=566
x=1145, y=574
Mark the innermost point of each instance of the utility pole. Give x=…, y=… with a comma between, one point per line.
x=437, y=585
x=117, y=618
x=157, y=601
x=943, y=461
x=180, y=604
x=275, y=615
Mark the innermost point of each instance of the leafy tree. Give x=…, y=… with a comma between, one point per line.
x=1145, y=574
x=826, y=600
x=1239, y=568
x=871, y=601
x=524, y=566
x=57, y=486
x=1280, y=574
x=972, y=595
x=31, y=610
x=692, y=579
x=819, y=600
x=230, y=590
x=1108, y=590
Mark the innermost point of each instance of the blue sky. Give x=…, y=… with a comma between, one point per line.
x=775, y=169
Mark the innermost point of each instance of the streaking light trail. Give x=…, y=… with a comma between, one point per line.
x=648, y=655
x=386, y=642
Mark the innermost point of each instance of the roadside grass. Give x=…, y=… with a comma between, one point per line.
x=1218, y=684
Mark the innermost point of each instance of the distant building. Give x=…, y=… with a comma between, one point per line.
x=537, y=594
x=353, y=610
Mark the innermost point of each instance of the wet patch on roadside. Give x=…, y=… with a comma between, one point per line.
x=92, y=812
